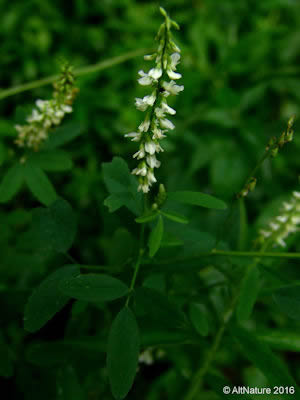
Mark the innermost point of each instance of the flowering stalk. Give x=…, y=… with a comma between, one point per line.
x=282, y=225
x=48, y=113
x=155, y=124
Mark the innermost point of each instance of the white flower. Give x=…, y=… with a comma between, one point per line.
x=167, y=108
x=274, y=226
x=152, y=161
x=282, y=218
x=172, y=74
x=175, y=57
x=41, y=104
x=150, y=176
x=59, y=113
x=35, y=116
x=165, y=123
x=150, y=147
x=140, y=171
x=172, y=88
x=265, y=233
x=142, y=104
x=145, y=79
x=296, y=195
x=144, y=126
x=155, y=73
x=287, y=206
x=139, y=154
x=281, y=242
x=66, y=108
x=136, y=136
x=159, y=112
x=144, y=187
x=157, y=133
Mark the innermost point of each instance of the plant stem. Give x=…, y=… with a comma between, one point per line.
x=198, y=377
x=197, y=380
x=139, y=258
x=216, y=252
x=77, y=72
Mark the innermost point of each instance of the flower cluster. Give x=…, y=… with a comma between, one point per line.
x=284, y=224
x=48, y=113
x=162, y=79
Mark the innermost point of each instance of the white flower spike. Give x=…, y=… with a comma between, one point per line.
x=48, y=113
x=155, y=124
x=282, y=225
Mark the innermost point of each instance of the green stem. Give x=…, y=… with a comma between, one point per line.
x=215, y=252
x=197, y=380
x=243, y=224
x=139, y=259
x=77, y=72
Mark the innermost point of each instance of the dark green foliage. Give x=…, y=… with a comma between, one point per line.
x=94, y=287
x=156, y=236
x=122, y=186
x=39, y=184
x=47, y=299
x=288, y=301
x=270, y=365
x=11, y=182
x=122, y=353
x=54, y=228
x=240, y=71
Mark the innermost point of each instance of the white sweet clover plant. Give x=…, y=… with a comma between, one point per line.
x=162, y=80
x=48, y=113
x=284, y=224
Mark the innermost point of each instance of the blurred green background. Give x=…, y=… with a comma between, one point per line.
x=240, y=67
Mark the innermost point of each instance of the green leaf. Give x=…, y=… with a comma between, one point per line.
x=282, y=340
x=288, y=300
x=113, y=203
x=68, y=386
x=122, y=353
x=46, y=300
x=57, y=160
x=181, y=219
x=11, y=182
x=54, y=227
x=122, y=186
x=197, y=199
x=93, y=287
x=248, y=294
x=198, y=317
x=262, y=357
x=63, y=135
x=39, y=184
x=155, y=237
x=150, y=216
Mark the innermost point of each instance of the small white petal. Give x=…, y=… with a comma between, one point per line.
x=165, y=123
x=155, y=73
x=296, y=195
x=150, y=147
x=167, y=108
x=173, y=74
x=144, y=126
x=172, y=88
x=153, y=162
x=139, y=154
x=175, y=57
